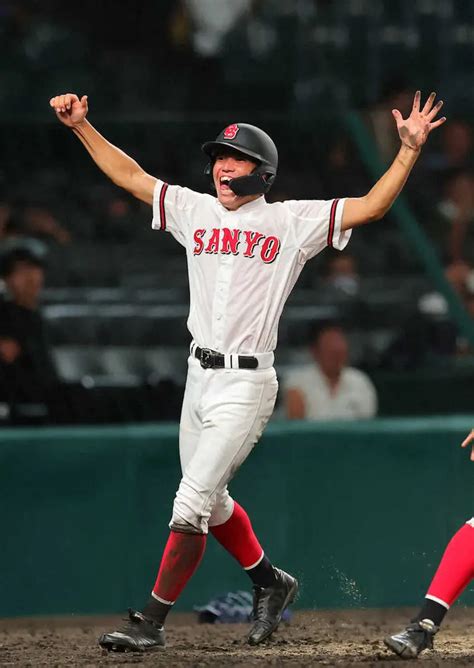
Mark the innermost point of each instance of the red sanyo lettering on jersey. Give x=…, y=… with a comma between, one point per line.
x=199, y=247
x=230, y=241
x=252, y=239
x=270, y=249
x=227, y=241
x=213, y=243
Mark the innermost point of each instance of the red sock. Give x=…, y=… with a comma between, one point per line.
x=182, y=555
x=456, y=568
x=237, y=537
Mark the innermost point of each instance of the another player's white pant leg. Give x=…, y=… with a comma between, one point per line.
x=235, y=407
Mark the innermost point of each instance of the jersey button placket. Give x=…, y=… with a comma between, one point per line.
x=216, y=301
x=220, y=299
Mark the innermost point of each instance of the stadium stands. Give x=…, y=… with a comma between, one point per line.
x=116, y=295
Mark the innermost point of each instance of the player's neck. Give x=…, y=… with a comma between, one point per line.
x=238, y=202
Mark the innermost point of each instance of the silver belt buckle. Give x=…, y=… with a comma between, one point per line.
x=206, y=358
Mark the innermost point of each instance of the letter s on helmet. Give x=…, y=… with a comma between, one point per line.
x=255, y=144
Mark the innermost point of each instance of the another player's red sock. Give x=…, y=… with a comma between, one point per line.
x=456, y=568
x=238, y=537
x=182, y=555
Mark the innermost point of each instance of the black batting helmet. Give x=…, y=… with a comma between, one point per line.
x=256, y=145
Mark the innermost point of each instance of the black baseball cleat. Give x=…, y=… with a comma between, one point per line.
x=413, y=640
x=138, y=635
x=269, y=604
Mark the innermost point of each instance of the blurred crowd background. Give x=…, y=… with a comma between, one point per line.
x=94, y=304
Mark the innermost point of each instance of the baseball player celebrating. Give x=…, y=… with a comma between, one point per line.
x=454, y=573
x=244, y=257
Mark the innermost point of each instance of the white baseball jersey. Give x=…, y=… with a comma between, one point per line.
x=243, y=264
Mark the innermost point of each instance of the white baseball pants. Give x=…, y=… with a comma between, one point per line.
x=223, y=416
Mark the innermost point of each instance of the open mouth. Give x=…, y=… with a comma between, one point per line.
x=224, y=184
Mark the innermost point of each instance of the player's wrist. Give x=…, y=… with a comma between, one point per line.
x=407, y=156
x=79, y=126
x=412, y=149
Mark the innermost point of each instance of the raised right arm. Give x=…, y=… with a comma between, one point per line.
x=119, y=167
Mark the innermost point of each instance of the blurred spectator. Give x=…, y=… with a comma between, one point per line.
x=458, y=201
x=329, y=389
x=40, y=222
x=341, y=287
x=343, y=172
x=430, y=336
x=458, y=206
x=118, y=221
x=33, y=221
x=212, y=20
x=456, y=146
x=27, y=373
x=342, y=277
x=5, y=215
x=451, y=172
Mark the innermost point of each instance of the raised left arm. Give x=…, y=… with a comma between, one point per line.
x=413, y=134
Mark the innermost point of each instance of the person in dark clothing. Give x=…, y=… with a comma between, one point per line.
x=27, y=372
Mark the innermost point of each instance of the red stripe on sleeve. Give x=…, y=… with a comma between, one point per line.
x=164, y=188
x=332, y=222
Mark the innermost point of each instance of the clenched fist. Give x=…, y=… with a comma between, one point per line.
x=69, y=108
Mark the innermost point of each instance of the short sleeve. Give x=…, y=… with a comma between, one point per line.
x=317, y=224
x=296, y=378
x=367, y=397
x=172, y=206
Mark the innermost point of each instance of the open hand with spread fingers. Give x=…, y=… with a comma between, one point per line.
x=469, y=439
x=415, y=129
x=69, y=108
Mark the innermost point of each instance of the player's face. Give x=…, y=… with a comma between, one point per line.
x=230, y=166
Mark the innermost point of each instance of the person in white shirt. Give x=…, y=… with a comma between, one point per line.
x=328, y=389
x=244, y=257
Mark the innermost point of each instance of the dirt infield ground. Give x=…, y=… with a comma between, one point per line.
x=342, y=638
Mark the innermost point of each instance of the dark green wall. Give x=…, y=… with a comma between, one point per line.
x=361, y=512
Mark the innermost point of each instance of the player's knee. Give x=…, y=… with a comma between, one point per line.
x=222, y=509
x=187, y=520
x=190, y=511
x=181, y=526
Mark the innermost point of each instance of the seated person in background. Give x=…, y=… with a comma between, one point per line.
x=342, y=276
x=329, y=389
x=430, y=335
x=40, y=222
x=27, y=372
x=453, y=172
x=31, y=222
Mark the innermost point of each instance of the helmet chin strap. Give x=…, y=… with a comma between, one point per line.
x=254, y=184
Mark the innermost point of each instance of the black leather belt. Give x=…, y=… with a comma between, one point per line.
x=209, y=359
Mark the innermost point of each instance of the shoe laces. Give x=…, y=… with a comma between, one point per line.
x=259, y=607
x=134, y=618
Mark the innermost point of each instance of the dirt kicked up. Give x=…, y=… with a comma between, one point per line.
x=322, y=638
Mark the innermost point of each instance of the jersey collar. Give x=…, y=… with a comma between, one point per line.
x=245, y=208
